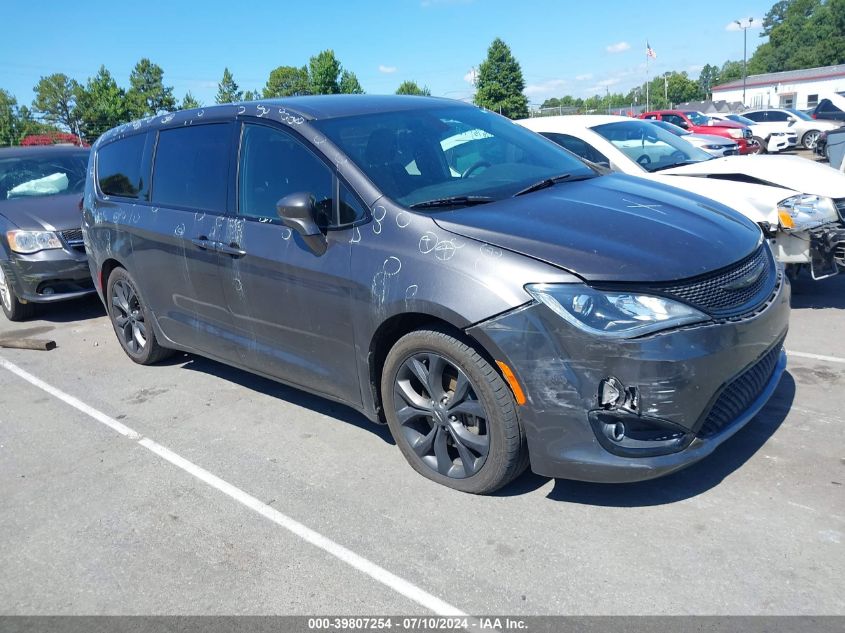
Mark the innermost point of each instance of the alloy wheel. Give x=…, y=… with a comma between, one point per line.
x=5, y=291
x=810, y=139
x=128, y=316
x=441, y=416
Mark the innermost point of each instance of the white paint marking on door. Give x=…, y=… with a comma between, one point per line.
x=371, y=569
x=827, y=359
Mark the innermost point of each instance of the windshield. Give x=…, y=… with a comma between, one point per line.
x=670, y=127
x=699, y=119
x=738, y=118
x=42, y=173
x=459, y=153
x=649, y=145
x=800, y=115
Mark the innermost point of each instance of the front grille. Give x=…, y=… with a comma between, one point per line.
x=840, y=206
x=711, y=293
x=72, y=236
x=740, y=393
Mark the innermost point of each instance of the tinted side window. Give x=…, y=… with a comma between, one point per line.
x=273, y=164
x=777, y=117
x=192, y=167
x=754, y=116
x=675, y=119
x=119, y=169
x=578, y=147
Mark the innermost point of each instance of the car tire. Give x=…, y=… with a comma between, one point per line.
x=132, y=320
x=761, y=144
x=457, y=426
x=13, y=308
x=809, y=139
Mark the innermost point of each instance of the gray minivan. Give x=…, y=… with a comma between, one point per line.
x=492, y=298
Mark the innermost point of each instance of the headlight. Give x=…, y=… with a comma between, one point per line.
x=32, y=241
x=712, y=146
x=735, y=133
x=804, y=212
x=613, y=314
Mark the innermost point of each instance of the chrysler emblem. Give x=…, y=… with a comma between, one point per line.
x=749, y=279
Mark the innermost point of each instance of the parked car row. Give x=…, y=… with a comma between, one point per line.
x=496, y=299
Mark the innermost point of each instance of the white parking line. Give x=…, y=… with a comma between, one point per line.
x=374, y=571
x=827, y=359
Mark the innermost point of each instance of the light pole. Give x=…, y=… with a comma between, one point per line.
x=744, y=24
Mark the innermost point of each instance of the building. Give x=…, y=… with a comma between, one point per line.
x=800, y=89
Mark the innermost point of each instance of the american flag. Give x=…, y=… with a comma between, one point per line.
x=649, y=51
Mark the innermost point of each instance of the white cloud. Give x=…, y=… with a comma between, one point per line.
x=604, y=83
x=545, y=88
x=753, y=23
x=619, y=47
x=386, y=69
x=584, y=77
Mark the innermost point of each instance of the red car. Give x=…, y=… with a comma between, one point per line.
x=699, y=123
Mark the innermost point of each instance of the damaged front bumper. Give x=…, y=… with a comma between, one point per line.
x=822, y=248
x=687, y=390
x=49, y=276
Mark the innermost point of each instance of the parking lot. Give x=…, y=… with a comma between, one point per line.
x=244, y=496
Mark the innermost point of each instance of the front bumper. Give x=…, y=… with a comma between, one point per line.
x=679, y=375
x=49, y=276
x=823, y=248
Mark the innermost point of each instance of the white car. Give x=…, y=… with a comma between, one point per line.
x=806, y=127
x=799, y=203
x=772, y=138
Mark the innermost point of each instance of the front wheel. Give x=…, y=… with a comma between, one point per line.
x=810, y=138
x=12, y=306
x=761, y=146
x=131, y=320
x=451, y=413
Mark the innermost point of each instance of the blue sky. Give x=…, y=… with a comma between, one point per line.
x=564, y=47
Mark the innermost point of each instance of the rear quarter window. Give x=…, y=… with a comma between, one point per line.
x=120, y=168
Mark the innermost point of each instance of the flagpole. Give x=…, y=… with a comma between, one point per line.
x=646, y=79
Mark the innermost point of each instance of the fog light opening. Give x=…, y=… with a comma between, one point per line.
x=611, y=393
x=615, y=432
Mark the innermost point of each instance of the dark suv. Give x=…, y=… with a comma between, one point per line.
x=485, y=293
x=42, y=256
x=826, y=110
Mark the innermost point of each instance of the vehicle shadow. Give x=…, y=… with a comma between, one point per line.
x=681, y=485
x=280, y=391
x=83, y=309
x=814, y=295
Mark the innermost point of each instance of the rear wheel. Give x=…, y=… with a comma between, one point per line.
x=451, y=414
x=131, y=320
x=12, y=306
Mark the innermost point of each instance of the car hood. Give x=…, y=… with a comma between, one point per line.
x=756, y=202
x=49, y=213
x=789, y=172
x=612, y=228
x=709, y=139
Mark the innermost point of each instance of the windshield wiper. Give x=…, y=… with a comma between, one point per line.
x=452, y=201
x=552, y=180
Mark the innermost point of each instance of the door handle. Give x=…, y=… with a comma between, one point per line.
x=232, y=249
x=203, y=242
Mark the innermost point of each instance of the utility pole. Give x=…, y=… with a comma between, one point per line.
x=744, y=24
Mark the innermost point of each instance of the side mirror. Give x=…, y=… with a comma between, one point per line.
x=683, y=124
x=297, y=211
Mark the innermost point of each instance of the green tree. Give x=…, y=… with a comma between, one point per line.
x=679, y=88
x=349, y=84
x=500, y=82
x=55, y=99
x=730, y=71
x=774, y=17
x=252, y=95
x=189, y=102
x=147, y=94
x=707, y=78
x=8, y=119
x=324, y=71
x=411, y=88
x=227, y=89
x=100, y=105
x=287, y=81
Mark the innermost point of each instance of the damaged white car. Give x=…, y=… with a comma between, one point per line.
x=800, y=204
